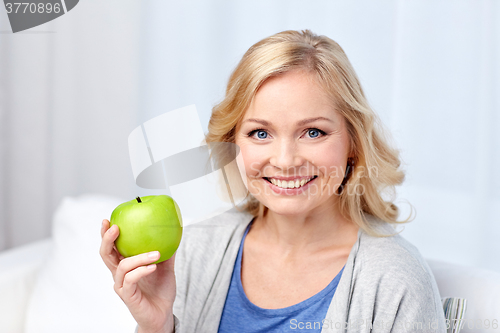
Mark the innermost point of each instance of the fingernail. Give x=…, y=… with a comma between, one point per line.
x=154, y=254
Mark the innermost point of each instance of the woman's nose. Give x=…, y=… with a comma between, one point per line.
x=285, y=156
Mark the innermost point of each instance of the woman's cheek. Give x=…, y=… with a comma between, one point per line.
x=240, y=162
x=249, y=155
x=248, y=165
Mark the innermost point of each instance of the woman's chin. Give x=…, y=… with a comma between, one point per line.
x=286, y=209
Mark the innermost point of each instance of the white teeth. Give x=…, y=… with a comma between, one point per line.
x=289, y=184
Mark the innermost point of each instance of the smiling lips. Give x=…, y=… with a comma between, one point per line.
x=293, y=183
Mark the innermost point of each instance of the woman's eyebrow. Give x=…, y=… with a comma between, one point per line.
x=300, y=123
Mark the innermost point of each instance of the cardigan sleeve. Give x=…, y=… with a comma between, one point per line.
x=417, y=311
x=397, y=302
x=394, y=290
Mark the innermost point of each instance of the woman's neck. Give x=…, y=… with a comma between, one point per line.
x=298, y=235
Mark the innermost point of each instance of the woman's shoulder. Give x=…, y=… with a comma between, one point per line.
x=392, y=282
x=204, y=259
x=391, y=257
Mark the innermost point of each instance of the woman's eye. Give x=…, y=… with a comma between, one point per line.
x=314, y=132
x=261, y=134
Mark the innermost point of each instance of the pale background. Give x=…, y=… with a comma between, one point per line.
x=73, y=89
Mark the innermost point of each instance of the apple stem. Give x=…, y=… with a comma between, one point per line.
x=138, y=199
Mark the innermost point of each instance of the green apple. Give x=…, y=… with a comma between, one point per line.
x=150, y=223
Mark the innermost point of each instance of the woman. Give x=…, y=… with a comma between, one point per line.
x=313, y=248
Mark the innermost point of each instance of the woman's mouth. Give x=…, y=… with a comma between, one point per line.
x=290, y=184
x=290, y=187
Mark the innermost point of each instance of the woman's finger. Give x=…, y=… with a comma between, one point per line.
x=104, y=227
x=108, y=254
x=131, y=263
x=129, y=288
x=118, y=253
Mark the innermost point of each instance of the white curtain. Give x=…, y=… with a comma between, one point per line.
x=430, y=70
x=69, y=100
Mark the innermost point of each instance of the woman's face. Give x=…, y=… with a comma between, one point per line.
x=290, y=134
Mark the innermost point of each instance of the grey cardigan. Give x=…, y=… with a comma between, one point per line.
x=386, y=285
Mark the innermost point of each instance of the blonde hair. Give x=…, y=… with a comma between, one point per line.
x=303, y=50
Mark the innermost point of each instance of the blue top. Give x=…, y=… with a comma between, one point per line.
x=240, y=315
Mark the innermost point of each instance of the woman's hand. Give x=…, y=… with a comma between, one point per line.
x=147, y=290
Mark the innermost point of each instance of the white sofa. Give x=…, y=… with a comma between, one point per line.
x=60, y=284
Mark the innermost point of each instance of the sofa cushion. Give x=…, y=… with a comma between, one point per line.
x=480, y=288
x=18, y=269
x=74, y=289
